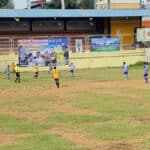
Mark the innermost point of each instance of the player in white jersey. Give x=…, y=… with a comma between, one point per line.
x=125, y=70
x=146, y=72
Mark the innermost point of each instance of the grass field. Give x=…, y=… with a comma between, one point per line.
x=95, y=110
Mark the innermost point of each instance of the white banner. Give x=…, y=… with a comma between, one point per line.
x=143, y=34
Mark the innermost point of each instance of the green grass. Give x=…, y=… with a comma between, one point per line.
x=110, y=116
x=117, y=131
x=10, y=124
x=41, y=142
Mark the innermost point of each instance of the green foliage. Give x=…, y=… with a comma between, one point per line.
x=70, y=4
x=6, y=4
x=3, y=3
x=87, y=4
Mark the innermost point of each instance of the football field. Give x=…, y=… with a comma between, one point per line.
x=97, y=109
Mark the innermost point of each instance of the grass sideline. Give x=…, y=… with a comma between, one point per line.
x=96, y=109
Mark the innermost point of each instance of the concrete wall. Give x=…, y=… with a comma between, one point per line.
x=106, y=59
x=125, y=4
x=145, y=21
x=87, y=59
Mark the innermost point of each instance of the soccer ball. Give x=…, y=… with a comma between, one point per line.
x=17, y=19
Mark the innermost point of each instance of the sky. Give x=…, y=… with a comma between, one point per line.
x=21, y=4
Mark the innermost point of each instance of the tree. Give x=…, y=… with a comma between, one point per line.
x=5, y=4
x=63, y=4
x=54, y=4
x=86, y=4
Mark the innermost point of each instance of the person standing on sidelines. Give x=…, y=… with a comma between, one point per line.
x=8, y=72
x=17, y=71
x=13, y=67
x=125, y=70
x=36, y=68
x=146, y=72
x=55, y=75
x=71, y=69
x=50, y=69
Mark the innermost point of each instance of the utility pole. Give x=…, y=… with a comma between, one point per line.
x=62, y=4
x=28, y=4
x=108, y=4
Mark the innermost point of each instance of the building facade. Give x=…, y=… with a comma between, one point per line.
x=76, y=25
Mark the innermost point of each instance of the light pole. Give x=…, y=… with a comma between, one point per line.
x=62, y=4
x=28, y=4
x=108, y=4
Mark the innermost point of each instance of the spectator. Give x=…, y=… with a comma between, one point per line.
x=8, y=72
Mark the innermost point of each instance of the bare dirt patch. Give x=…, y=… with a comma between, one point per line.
x=143, y=120
x=122, y=146
x=8, y=139
x=72, y=89
x=77, y=137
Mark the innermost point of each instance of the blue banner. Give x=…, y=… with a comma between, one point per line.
x=105, y=44
x=45, y=52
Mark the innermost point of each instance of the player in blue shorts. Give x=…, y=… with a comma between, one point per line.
x=146, y=72
x=125, y=70
x=71, y=69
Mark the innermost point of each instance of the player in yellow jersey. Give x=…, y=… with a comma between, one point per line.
x=36, y=68
x=13, y=67
x=55, y=75
x=17, y=71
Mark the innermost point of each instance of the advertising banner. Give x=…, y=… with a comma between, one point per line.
x=105, y=44
x=45, y=52
x=143, y=34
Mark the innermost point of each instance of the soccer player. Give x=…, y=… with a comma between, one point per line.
x=125, y=70
x=71, y=69
x=36, y=68
x=55, y=75
x=8, y=72
x=146, y=72
x=13, y=67
x=17, y=71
